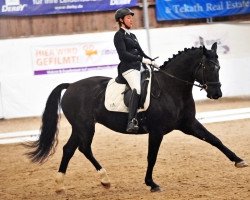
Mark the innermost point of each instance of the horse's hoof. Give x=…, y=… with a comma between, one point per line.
x=241, y=164
x=106, y=185
x=155, y=189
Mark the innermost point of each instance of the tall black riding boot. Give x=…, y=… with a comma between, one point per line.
x=132, y=126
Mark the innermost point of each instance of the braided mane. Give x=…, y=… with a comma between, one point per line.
x=186, y=50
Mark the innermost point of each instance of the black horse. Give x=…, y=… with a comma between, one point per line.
x=172, y=107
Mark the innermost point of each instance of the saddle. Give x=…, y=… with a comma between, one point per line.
x=118, y=93
x=145, y=76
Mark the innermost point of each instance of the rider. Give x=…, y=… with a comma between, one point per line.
x=131, y=58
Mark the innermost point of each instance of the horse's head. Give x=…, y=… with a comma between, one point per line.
x=207, y=73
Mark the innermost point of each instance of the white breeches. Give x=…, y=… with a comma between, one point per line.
x=133, y=77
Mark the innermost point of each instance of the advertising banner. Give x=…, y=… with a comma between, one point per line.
x=73, y=57
x=45, y=7
x=192, y=9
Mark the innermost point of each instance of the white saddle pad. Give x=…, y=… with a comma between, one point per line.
x=114, y=97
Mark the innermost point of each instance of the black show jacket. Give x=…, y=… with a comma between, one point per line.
x=129, y=51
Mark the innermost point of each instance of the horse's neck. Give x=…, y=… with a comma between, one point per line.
x=179, y=71
x=183, y=65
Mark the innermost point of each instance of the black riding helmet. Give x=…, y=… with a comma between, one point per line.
x=122, y=12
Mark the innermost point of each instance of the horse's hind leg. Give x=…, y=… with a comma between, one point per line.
x=85, y=147
x=199, y=131
x=68, y=151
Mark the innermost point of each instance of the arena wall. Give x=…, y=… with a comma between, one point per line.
x=23, y=94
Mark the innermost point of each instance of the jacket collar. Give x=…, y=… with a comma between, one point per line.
x=125, y=31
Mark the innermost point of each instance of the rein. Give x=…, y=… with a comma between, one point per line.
x=184, y=81
x=204, y=84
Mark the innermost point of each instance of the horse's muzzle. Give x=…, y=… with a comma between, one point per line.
x=214, y=95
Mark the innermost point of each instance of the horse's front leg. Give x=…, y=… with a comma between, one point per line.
x=198, y=130
x=153, y=148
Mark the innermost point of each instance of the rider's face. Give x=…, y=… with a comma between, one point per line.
x=128, y=20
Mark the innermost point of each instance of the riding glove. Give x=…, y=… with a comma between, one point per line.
x=149, y=62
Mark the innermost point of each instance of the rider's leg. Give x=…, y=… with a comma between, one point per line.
x=133, y=107
x=133, y=77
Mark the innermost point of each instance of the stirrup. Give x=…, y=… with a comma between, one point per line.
x=132, y=126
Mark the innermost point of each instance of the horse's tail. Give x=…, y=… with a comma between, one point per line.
x=47, y=142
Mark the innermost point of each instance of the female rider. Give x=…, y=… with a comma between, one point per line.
x=131, y=58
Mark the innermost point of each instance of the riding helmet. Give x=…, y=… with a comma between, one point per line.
x=122, y=12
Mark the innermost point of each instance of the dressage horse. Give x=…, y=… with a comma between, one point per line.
x=172, y=107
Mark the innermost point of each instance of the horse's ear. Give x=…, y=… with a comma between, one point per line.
x=214, y=47
x=204, y=50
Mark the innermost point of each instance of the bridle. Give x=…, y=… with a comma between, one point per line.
x=204, y=82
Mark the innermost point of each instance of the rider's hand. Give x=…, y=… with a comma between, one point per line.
x=146, y=61
x=150, y=62
x=155, y=64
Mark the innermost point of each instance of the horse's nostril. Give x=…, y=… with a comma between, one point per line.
x=217, y=96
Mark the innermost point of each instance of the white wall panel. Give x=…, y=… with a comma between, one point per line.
x=24, y=94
